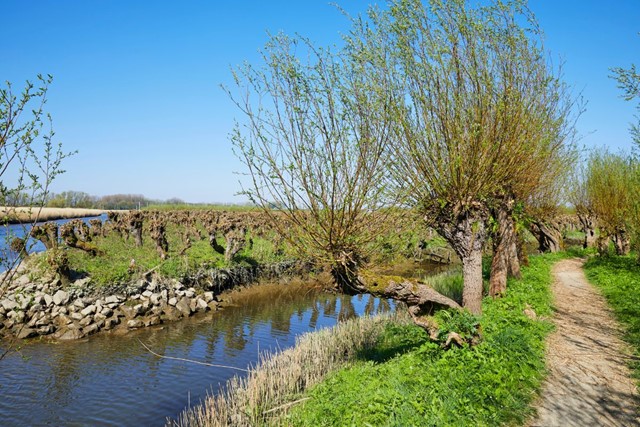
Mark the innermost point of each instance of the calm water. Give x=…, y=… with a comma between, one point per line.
x=9, y=231
x=111, y=380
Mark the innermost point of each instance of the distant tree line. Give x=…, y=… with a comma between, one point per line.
x=79, y=199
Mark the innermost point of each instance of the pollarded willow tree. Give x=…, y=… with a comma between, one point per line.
x=611, y=189
x=483, y=118
x=314, y=140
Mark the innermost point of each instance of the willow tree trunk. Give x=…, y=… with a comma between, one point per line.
x=505, y=255
x=622, y=242
x=466, y=232
x=587, y=223
x=548, y=236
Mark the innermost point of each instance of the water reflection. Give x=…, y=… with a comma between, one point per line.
x=112, y=380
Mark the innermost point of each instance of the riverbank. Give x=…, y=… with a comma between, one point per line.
x=401, y=377
x=21, y=215
x=42, y=305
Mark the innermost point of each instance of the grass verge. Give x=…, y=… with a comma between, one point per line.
x=268, y=389
x=405, y=379
x=373, y=371
x=618, y=278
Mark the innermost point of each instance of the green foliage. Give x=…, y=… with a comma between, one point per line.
x=115, y=266
x=409, y=380
x=449, y=283
x=619, y=280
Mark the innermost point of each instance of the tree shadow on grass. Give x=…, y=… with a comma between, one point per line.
x=396, y=340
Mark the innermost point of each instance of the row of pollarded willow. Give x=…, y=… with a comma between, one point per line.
x=238, y=229
x=453, y=107
x=605, y=194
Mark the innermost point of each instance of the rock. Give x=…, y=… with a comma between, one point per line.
x=9, y=305
x=46, y=330
x=63, y=310
x=154, y=299
x=173, y=301
x=180, y=293
x=23, y=301
x=87, y=320
x=184, y=306
x=111, y=322
x=170, y=313
x=39, y=300
x=20, y=281
x=43, y=321
x=164, y=294
x=76, y=316
x=9, y=323
x=147, y=294
x=82, y=282
x=106, y=311
x=112, y=299
x=90, y=329
x=135, y=296
x=189, y=293
x=88, y=310
x=69, y=334
x=201, y=305
x=24, y=333
x=99, y=316
x=48, y=300
x=135, y=323
x=213, y=305
x=138, y=310
x=78, y=303
x=36, y=308
x=208, y=296
x=17, y=316
x=152, y=321
x=124, y=311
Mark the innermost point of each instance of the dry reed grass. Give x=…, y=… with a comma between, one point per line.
x=277, y=382
x=17, y=215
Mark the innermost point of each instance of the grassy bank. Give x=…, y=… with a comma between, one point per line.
x=270, y=389
x=408, y=380
x=619, y=280
x=114, y=264
x=398, y=376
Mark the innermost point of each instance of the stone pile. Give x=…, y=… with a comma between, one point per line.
x=29, y=309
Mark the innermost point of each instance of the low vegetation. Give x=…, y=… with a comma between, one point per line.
x=270, y=388
x=399, y=376
x=619, y=280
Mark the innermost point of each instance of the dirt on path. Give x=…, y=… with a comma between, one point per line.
x=589, y=383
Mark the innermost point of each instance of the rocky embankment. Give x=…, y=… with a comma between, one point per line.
x=46, y=307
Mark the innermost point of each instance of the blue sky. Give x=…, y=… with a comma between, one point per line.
x=136, y=83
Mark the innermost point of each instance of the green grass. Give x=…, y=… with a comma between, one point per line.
x=409, y=380
x=619, y=280
x=112, y=266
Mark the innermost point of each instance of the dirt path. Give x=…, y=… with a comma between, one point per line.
x=589, y=383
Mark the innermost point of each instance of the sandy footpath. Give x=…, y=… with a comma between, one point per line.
x=589, y=383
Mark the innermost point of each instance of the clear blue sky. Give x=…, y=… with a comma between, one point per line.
x=136, y=83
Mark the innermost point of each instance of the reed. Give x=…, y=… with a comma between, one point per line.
x=276, y=383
